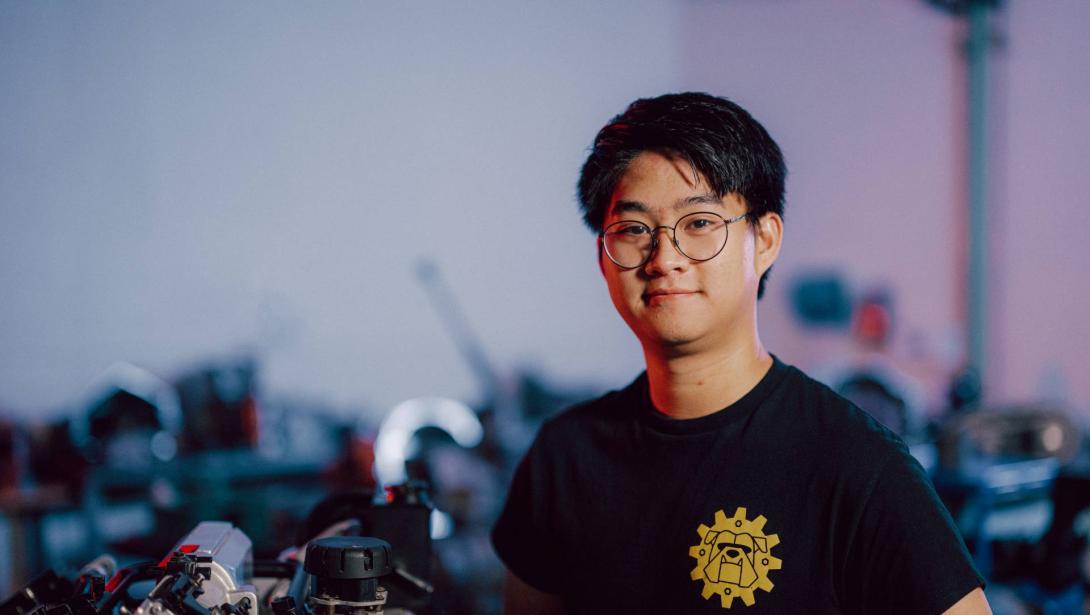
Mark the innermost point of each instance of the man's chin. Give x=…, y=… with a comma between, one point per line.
x=670, y=339
x=667, y=331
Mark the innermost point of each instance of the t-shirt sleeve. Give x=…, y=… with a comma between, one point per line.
x=907, y=555
x=522, y=536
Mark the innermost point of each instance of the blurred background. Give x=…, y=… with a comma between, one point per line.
x=256, y=254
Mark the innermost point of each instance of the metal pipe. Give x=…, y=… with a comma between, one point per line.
x=978, y=47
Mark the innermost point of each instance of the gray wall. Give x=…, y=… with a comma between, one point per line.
x=181, y=181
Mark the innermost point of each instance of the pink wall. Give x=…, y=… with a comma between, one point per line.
x=1044, y=262
x=868, y=102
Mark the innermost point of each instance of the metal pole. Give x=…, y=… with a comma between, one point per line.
x=977, y=50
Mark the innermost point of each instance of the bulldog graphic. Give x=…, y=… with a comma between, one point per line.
x=732, y=556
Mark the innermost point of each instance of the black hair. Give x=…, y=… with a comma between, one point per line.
x=719, y=139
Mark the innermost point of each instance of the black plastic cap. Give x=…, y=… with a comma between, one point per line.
x=348, y=557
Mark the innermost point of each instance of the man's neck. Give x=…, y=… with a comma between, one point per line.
x=690, y=386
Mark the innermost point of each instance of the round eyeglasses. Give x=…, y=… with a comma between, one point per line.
x=698, y=236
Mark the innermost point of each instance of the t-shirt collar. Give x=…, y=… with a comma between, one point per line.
x=737, y=411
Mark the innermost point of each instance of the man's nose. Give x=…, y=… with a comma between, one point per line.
x=665, y=255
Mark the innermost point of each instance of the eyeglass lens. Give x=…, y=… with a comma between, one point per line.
x=698, y=236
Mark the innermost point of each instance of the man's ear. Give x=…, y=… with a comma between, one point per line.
x=601, y=264
x=768, y=233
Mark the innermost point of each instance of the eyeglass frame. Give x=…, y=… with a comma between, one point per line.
x=673, y=238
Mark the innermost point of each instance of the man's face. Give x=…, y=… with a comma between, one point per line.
x=672, y=303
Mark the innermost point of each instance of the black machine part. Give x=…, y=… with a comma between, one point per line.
x=347, y=568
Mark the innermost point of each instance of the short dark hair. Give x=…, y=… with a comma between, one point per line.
x=721, y=141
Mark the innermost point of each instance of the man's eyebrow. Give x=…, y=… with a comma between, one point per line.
x=630, y=206
x=708, y=198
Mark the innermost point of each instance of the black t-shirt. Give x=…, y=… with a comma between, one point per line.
x=791, y=500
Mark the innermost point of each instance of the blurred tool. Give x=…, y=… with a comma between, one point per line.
x=219, y=405
x=821, y=299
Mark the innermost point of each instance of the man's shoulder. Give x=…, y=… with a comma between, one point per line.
x=613, y=405
x=817, y=410
x=604, y=414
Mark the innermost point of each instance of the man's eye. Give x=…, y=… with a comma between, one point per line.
x=630, y=229
x=702, y=224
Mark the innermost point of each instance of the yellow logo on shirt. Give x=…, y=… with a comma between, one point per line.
x=734, y=557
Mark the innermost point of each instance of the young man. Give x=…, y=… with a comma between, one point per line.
x=721, y=478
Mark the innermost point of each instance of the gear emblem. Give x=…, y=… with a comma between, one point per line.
x=734, y=557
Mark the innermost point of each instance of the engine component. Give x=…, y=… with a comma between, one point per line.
x=211, y=571
x=346, y=573
x=227, y=555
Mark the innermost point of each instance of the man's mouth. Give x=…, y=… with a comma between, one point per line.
x=667, y=294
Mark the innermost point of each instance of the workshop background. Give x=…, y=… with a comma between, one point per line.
x=238, y=240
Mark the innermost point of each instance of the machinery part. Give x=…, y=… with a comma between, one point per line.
x=405, y=521
x=346, y=573
x=138, y=383
x=223, y=555
x=118, y=586
x=211, y=571
x=46, y=586
x=1009, y=434
x=404, y=518
x=396, y=432
x=285, y=605
x=92, y=577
